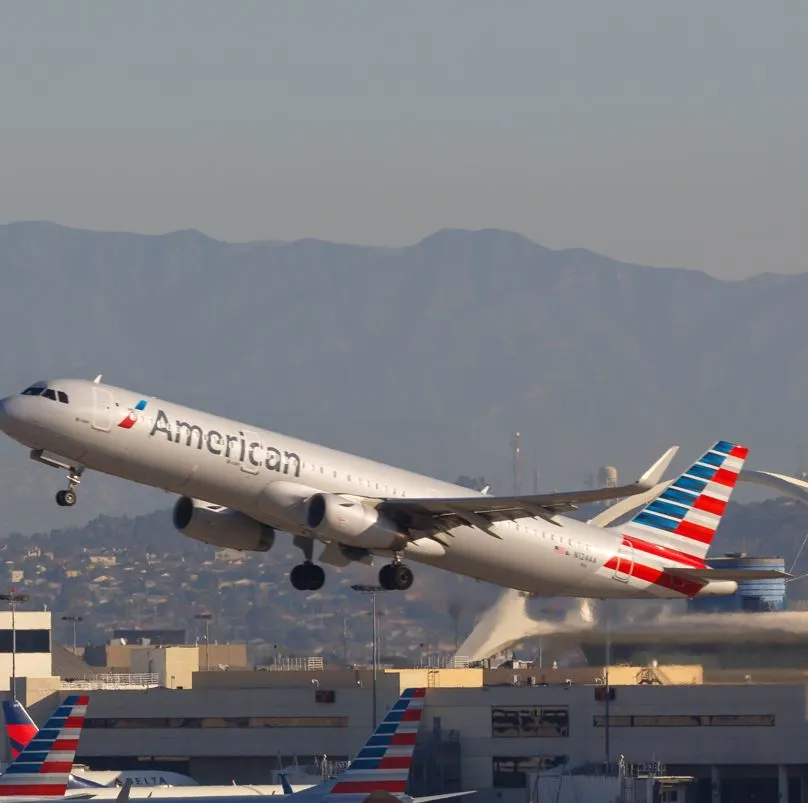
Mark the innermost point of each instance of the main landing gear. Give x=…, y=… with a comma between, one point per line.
x=67, y=498
x=307, y=576
x=396, y=577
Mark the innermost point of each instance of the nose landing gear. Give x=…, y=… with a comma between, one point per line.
x=67, y=498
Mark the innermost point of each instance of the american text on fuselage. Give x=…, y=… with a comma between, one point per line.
x=231, y=447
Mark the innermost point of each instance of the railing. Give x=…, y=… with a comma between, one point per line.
x=310, y=664
x=139, y=680
x=443, y=661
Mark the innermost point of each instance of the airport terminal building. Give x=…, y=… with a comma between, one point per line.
x=481, y=730
x=739, y=736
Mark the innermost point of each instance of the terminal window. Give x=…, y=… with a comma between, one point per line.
x=510, y=772
x=27, y=641
x=215, y=722
x=510, y=721
x=686, y=721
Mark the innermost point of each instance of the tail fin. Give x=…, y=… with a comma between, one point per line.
x=287, y=787
x=20, y=728
x=383, y=764
x=686, y=515
x=43, y=766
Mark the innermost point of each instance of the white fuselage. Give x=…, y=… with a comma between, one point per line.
x=207, y=457
x=182, y=792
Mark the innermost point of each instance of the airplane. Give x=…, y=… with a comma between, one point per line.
x=42, y=768
x=239, y=485
x=21, y=729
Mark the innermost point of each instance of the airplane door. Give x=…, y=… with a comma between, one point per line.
x=102, y=409
x=625, y=562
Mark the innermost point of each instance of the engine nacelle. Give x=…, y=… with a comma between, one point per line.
x=351, y=523
x=220, y=526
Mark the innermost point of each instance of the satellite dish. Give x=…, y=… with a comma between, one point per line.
x=97, y=379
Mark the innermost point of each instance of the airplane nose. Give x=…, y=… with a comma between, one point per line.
x=7, y=416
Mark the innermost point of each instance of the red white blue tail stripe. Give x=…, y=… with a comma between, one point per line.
x=684, y=518
x=383, y=764
x=44, y=765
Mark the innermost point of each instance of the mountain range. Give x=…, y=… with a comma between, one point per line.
x=427, y=356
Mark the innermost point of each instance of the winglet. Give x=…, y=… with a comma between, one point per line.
x=97, y=379
x=655, y=472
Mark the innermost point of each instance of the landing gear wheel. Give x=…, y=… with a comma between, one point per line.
x=385, y=580
x=396, y=577
x=66, y=498
x=316, y=577
x=307, y=577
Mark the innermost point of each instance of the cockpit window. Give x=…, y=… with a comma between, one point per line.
x=47, y=393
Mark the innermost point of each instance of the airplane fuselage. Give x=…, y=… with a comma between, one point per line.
x=267, y=476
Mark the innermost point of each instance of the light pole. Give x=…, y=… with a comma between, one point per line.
x=369, y=589
x=13, y=599
x=608, y=660
x=206, y=617
x=74, y=619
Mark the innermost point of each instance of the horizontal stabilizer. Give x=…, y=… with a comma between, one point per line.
x=726, y=574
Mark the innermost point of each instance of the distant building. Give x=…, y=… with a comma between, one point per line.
x=157, y=636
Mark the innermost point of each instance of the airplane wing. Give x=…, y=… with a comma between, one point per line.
x=483, y=511
x=725, y=574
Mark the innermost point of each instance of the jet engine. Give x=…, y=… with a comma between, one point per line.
x=348, y=521
x=220, y=526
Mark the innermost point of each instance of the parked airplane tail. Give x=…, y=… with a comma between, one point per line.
x=285, y=785
x=383, y=764
x=382, y=767
x=683, y=519
x=20, y=728
x=43, y=766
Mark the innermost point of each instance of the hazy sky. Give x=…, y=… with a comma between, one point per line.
x=662, y=133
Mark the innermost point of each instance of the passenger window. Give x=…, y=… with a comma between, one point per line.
x=50, y=394
x=62, y=396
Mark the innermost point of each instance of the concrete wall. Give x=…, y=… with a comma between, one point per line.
x=175, y=665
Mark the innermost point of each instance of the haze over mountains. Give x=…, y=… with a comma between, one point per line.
x=427, y=356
